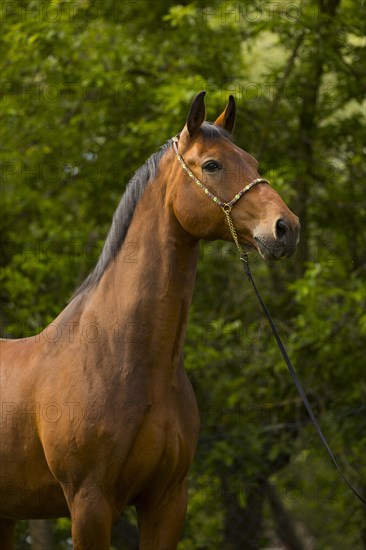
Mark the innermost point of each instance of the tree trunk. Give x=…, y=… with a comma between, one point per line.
x=313, y=71
x=125, y=535
x=283, y=521
x=242, y=527
x=41, y=532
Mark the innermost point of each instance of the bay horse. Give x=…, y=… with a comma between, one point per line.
x=97, y=410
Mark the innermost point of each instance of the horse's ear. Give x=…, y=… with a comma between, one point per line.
x=227, y=119
x=197, y=113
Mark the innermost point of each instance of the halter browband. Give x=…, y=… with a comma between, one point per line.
x=226, y=206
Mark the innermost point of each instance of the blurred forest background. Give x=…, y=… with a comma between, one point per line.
x=89, y=90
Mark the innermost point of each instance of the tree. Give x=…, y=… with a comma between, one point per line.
x=89, y=91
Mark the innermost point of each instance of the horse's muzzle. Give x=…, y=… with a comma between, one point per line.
x=282, y=243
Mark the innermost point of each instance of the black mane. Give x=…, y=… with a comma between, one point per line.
x=124, y=212
x=123, y=216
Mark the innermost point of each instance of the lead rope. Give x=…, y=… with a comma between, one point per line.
x=243, y=256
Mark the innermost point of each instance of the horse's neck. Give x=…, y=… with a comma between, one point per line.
x=141, y=302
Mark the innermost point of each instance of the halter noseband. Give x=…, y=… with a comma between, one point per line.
x=226, y=206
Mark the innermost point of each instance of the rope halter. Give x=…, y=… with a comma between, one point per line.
x=225, y=206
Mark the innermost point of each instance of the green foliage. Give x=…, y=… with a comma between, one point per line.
x=89, y=91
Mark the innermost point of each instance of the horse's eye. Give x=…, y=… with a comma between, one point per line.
x=211, y=166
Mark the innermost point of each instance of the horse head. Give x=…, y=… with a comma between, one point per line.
x=229, y=176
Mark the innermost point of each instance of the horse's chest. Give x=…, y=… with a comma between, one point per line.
x=161, y=451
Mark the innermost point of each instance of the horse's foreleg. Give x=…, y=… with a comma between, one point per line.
x=161, y=523
x=7, y=533
x=91, y=517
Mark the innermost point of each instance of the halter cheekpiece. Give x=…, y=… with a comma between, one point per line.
x=226, y=206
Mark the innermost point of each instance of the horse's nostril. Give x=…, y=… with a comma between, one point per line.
x=282, y=230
